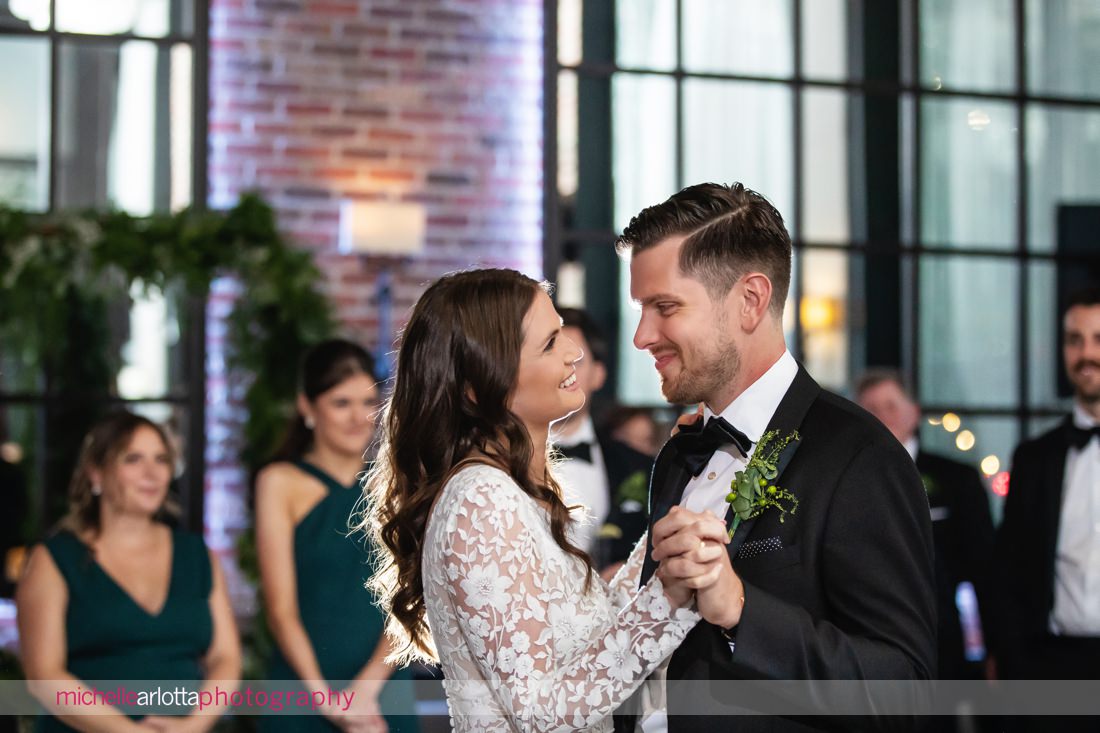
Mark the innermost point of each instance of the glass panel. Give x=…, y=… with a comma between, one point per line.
x=153, y=18
x=643, y=142
x=1036, y=426
x=969, y=316
x=826, y=201
x=126, y=126
x=645, y=34
x=1063, y=166
x=638, y=381
x=570, y=13
x=153, y=360
x=25, y=123
x=25, y=14
x=825, y=39
x=741, y=131
x=968, y=173
x=738, y=37
x=567, y=136
x=825, y=318
x=1044, y=360
x=1063, y=47
x=967, y=45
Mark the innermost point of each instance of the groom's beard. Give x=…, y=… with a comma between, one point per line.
x=710, y=372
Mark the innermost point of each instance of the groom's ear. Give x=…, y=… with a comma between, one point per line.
x=753, y=296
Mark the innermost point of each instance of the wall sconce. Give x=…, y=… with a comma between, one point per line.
x=388, y=229
x=819, y=313
x=382, y=227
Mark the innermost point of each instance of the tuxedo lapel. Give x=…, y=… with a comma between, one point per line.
x=666, y=487
x=787, y=418
x=1053, y=479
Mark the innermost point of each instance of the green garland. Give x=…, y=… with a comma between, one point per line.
x=60, y=275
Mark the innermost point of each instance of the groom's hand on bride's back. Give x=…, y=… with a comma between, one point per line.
x=691, y=549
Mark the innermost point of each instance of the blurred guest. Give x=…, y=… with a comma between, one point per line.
x=116, y=594
x=13, y=493
x=635, y=427
x=328, y=632
x=962, y=526
x=597, y=468
x=1047, y=545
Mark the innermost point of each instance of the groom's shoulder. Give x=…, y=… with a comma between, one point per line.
x=848, y=421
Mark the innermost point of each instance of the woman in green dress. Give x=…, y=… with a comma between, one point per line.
x=116, y=595
x=328, y=632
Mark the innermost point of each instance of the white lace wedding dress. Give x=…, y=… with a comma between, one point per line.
x=523, y=647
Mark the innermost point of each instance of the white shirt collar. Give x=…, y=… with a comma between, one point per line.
x=1081, y=418
x=752, y=410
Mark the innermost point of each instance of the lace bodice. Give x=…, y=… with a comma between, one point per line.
x=523, y=646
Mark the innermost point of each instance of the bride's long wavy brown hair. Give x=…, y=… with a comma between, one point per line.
x=456, y=370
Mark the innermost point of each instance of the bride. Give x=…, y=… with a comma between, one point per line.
x=478, y=570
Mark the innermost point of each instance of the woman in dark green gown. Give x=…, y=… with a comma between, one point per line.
x=117, y=598
x=326, y=627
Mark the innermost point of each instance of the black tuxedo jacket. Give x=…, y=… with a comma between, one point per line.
x=1026, y=544
x=841, y=590
x=962, y=533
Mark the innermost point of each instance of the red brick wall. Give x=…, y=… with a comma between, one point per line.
x=316, y=101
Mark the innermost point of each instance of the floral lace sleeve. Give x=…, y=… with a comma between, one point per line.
x=555, y=656
x=625, y=583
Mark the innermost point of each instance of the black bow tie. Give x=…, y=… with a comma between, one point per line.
x=581, y=451
x=1080, y=437
x=696, y=444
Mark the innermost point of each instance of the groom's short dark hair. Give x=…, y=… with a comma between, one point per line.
x=728, y=230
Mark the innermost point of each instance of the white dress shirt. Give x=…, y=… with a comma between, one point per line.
x=1076, y=609
x=584, y=483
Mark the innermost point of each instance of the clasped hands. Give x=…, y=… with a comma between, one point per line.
x=691, y=550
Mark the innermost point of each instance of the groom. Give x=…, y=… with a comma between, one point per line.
x=839, y=589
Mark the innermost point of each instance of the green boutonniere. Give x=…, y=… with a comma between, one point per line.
x=753, y=489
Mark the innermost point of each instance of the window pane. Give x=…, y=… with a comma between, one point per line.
x=825, y=39
x=153, y=360
x=969, y=316
x=142, y=17
x=1063, y=166
x=126, y=126
x=569, y=31
x=1063, y=44
x=968, y=173
x=738, y=37
x=741, y=131
x=1044, y=359
x=643, y=147
x=25, y=14
x=826, y=201
x=567, y=134
x=967, y=45
x=645, y=34
x=638, y=380
x=25, y=123
x=825, y=317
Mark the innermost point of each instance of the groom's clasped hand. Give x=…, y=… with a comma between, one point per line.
x=691, y=550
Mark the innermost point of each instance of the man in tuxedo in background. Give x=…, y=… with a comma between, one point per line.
x=597, y=468
x=962, y=526
x=841, y=589
x=1048, y=544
